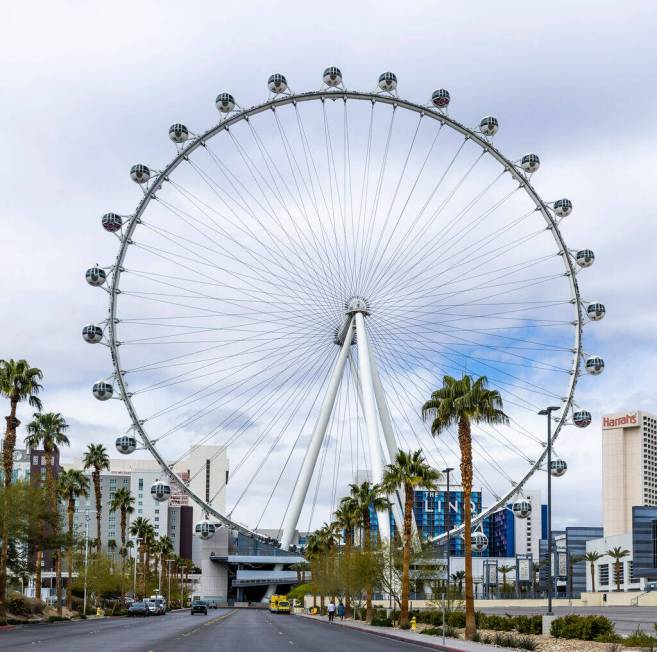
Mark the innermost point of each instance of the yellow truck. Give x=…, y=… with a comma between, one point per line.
x=279, y=604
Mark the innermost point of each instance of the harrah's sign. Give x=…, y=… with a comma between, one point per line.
x=627, y=420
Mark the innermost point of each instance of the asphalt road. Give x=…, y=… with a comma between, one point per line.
x=241, y=630
x=626, y=619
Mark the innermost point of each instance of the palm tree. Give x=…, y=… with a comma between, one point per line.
x=327, y=540
x=461, y=402
x=366, y=496
x=123, y=502
x=149, y=549
x=505, y=570
x=591, y=558
x=618, y=554
x=165, y=548
x=96, y=458
x=139, y=529
x=409, y=471
x=72, y=485
x=18, y=382
x=347, y=517
x=458, y=578
x=313, y=553
x=46, y=430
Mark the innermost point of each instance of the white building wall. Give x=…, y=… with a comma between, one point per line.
x=604, y=567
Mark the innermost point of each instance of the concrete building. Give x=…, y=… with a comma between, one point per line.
x=629, y=468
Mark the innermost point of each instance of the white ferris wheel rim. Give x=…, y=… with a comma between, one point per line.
x=193, y=144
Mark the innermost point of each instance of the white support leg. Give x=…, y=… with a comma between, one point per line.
x=391, y=445
x=371, y=417
x=395, y=500
x=309, y=461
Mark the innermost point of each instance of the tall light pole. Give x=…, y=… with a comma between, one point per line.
x=547, y=412
x=87, y=518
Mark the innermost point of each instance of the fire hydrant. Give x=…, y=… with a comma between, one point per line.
x=413, y=624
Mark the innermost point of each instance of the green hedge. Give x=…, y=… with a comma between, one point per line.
x=584, y=628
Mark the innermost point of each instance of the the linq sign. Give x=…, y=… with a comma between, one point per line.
x=630, y=419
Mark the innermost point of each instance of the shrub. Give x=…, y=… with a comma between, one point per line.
x=584, y=628
x=57, y=619
x=528, y=624
x=639, y=638
x=525, y=643
x=450, y=632
x=502, y=639
x=499, y=623
x=21, y=605
x=378, y=621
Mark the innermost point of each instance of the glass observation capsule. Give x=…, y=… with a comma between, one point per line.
x=332, y=76
x=277, y=83
x=111, y=222
x=558, y=468
x=95, y=276
x=225, y=102
x=582, y=418
x=160, y=491
x=479, y=541
x=388, y=81
x=204, y=529
x=584, y=258
x=126, y=444
x=440, y=98
x=521, y=508
x=595, y=311
x=489, y=125
x=563, y=207
x=530, y=163
x=595, y=365
x=102, y=390
x=140, y=173
x=178, y=133
x=92, y=334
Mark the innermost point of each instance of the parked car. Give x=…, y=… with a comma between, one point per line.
x=160, y=605
x=139, y=609
x=212, y=603
x=199, y=607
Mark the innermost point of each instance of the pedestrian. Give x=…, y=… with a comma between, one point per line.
x=331, y=611
x=341, y=610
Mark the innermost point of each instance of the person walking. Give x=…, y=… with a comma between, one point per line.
x=341, y=610
x=331, y=611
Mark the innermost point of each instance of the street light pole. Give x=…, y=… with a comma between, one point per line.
x=87, y=518
x=547, y=412
x=169, y=562
x=134, y=581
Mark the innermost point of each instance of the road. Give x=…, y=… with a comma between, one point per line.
x=241, y=630
x=626, y=619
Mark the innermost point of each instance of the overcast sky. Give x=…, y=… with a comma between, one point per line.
x=88, y=89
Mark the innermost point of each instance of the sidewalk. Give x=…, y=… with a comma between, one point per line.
x=435, y=642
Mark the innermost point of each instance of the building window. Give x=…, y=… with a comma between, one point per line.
x=603, y=574
x=141, y=484
x=140, y=511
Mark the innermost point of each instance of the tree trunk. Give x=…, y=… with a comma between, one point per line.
x=8, y=466
x=369, y=611
x=314, y=578
x=406, y=558
x=618, y=588
x=69, y=554
x=465, y=445
x=38, y=554
x=99, y=504
x=593, y=577
x=347, y=551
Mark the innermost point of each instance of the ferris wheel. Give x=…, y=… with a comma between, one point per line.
x=297, y=279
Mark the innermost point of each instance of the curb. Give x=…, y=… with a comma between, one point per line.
x=421, y=642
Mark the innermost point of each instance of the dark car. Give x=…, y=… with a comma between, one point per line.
x=139, y=609
x=199, y=607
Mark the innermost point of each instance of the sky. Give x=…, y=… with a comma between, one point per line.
x=89, y=89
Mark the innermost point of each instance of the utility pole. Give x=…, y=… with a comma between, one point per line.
x=547, y=412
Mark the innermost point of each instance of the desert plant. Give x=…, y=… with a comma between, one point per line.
x=585, y=628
